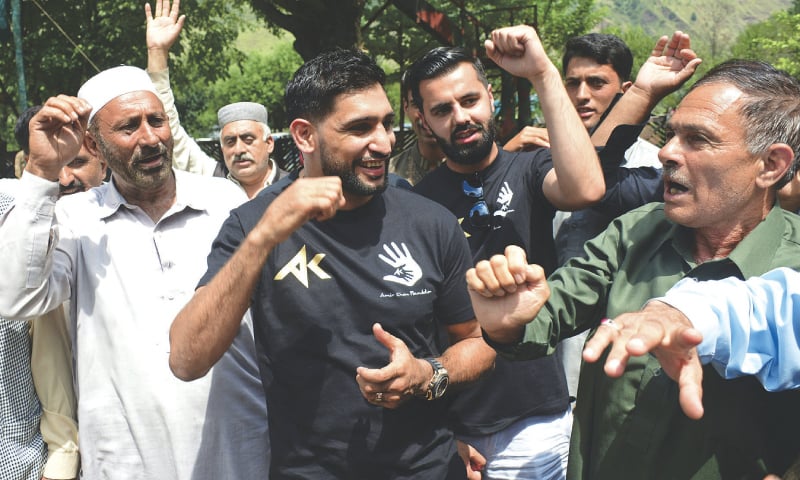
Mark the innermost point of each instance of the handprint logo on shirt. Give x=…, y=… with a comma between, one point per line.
x=504, y=199
x=406, y=270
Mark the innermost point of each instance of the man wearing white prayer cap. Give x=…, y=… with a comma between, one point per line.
x=128, y=255
x=246, y=143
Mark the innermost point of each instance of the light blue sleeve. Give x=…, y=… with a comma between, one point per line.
x=749, y=328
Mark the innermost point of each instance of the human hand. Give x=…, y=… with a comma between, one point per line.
x=165, y=26
x=662, y=330
x=529, y=138
x=519, y=51
x=507, y=294
x=671, y=63
x=399, y=380
x=473, y=460
x=317, y=198
x=56, y=135
x=407, y=270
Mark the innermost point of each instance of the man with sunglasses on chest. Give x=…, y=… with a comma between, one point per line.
x=503, y=198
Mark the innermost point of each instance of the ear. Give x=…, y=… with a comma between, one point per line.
x=625, y=86
x=270, y=144
x=91, y=145
x=774, y=164
x=304, y=134
x=491, y=96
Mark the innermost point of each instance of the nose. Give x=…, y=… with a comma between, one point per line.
x=582, y=91
x=382, y=142
x=148, y=135
x=239, y=147
x=460, y=115
x=65, y=176
x=669, y=152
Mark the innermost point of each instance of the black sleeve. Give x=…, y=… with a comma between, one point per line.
x=626, y=188
x=228, y=239
x=629, y=188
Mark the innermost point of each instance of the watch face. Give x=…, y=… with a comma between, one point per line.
x=440, y=387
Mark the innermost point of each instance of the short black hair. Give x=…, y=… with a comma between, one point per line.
x=22, y=128
x=313, y=89
x=603, y=48
x=437, y=62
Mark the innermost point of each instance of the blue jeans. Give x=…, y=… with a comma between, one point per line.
x=534, y=448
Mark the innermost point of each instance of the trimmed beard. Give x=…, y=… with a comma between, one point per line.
x=350, y=181
x=469, y=154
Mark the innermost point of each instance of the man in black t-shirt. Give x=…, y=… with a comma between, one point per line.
x=518, y=416
x=348, y=282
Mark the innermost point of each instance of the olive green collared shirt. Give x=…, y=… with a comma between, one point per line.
x=632, y=426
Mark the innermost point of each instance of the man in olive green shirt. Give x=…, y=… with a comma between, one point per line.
x=732, y=144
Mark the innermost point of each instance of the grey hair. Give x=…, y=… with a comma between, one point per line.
x=770, y=109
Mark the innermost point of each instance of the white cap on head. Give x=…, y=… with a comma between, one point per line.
x=110, y=84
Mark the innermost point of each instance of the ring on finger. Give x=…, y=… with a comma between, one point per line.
x=379, y=397
x=609, y=322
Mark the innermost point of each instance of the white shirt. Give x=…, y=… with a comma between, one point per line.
x=127, y=278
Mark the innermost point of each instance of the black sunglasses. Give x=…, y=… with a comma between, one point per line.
x=479, y=214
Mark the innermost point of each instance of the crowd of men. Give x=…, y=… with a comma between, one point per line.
x=317, y=323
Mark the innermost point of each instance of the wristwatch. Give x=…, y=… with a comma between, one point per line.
x=439, y=382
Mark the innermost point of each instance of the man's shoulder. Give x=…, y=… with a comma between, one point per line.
x=411, y=200
x=214, y=192
x=644, y=218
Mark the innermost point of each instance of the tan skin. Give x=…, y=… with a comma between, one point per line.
x=246, y=148
x=82, y=173
x=135, y=126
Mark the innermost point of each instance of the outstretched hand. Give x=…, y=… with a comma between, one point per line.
x=163, y=27
x=659, y=329
x=399, y=380
x=56, y=135
x=671, y=63
x=507, y=293
x=518, y=51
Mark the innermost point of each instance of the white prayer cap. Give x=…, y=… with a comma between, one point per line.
x=110, y=84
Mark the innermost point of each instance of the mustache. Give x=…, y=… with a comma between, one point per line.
x=468, y=126
x=243, y=156
x=75, y=184
x=670, y=173
x=147, y=152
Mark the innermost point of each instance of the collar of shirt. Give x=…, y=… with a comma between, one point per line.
x=187, y=196
x=749, y=257
x=273, y=175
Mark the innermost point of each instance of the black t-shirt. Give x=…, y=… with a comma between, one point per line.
x=521, y=215
x=318, y=296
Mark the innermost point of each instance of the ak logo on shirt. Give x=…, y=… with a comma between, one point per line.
x=299, y=266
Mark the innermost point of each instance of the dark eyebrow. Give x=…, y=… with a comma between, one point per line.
x=366, y=119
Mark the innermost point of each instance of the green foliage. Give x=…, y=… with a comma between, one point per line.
x=108, y=33
x=774, y=40
x=260, y=77
x=712, y=24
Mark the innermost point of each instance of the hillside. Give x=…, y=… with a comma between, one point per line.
x=713, y=24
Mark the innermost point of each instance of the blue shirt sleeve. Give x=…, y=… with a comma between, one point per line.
x=749, y=327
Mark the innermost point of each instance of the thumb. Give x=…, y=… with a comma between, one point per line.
x=386, y=339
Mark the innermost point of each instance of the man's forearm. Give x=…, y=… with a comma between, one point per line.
x=580, y=178
x=467, y=360
x=633, y=108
